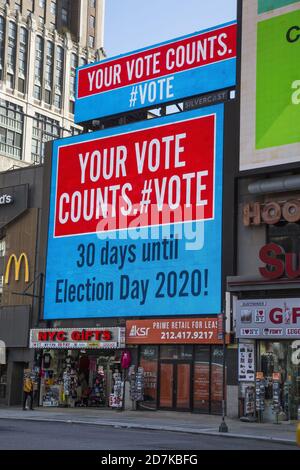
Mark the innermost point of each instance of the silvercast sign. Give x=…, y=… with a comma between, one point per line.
x=268, y=318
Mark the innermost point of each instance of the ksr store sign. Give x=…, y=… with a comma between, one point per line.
x=173, y=331
x=184, y=67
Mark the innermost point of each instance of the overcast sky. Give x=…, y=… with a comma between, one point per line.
x=133, y=24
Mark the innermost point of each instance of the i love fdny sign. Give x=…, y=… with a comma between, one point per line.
x=170, y=71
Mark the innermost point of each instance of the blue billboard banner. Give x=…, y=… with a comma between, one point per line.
x=135, y=222
x=191, y=65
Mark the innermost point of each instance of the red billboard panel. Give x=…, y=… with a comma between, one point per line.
x=113, y=182
x=185, y=54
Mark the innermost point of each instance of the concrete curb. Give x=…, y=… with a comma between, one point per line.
x=127, y=425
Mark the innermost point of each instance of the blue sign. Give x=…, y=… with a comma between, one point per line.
x=135, y=224
x=177, y=69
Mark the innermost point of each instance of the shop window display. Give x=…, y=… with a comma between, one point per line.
x=76, y=378
x=281, y=360
x=149, y=363
x=136, y=380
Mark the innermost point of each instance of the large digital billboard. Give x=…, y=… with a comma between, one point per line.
x=270, y=86
x=135, y=222
x=194, y=64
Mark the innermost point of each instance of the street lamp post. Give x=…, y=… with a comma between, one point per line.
x=223, y=426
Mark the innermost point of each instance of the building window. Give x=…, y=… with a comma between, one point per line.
x=39, y=53
x=92, y=3
x=71, y=107
x=41, y=21
x=42, y=3
x=285, y=235
x=49, y=72
x=11, y=49
x=91, y=41
x=48, y=96
x=18, y=5
x=64, y=16
x=92, y=22
x=75, y=131
x=59, y=75
x=2, y=247
x=37, y=92
x=44, y=130
x=74, y=65
x=83, y=61
x=57, y=100
x=2, y=36
x=10, y=81
x=11, y=129
x=22, y=59
x=53, y=7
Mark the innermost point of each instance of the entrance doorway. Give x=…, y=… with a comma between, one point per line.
x=183, y=377
x=175, y=386
x=17, y=378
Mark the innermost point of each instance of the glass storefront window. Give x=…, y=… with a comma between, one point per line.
x=3, y=381
x=149, y=362
x=77, y=377
x=201, y=380
x=176, y=352
x=216, y=379
x=283, y=358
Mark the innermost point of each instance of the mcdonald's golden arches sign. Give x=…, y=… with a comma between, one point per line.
x=16, y=263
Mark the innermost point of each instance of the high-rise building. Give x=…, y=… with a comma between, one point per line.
x=41, y=44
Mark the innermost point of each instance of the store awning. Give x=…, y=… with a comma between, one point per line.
x=248, y=283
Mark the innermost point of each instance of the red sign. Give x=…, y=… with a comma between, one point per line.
x=75, y=335
x=178, y=56
x=278, y=262
x=173, y=331
x=137, y=179
x=72, y=338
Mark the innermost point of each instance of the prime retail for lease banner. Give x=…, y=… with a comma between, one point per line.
x=135, y=219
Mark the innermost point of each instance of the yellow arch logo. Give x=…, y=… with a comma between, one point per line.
x=17, y=264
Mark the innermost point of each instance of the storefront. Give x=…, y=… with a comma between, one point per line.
x=14, y=328
x=269, y=357
x=182, y=361
x=21, y=282
x=77, y=367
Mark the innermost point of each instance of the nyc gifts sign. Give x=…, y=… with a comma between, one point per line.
x=135, y=220
x=176, y=69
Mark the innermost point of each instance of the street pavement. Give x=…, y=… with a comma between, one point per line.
x=187, y=423
x=30, y=435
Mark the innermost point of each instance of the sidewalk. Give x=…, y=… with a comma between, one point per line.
x=284, y=432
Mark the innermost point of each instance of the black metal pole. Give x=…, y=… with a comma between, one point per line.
x=223, y=426
x=40, y=297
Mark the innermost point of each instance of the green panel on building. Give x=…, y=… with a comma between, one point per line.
x=278, y=81
x=267, y=5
